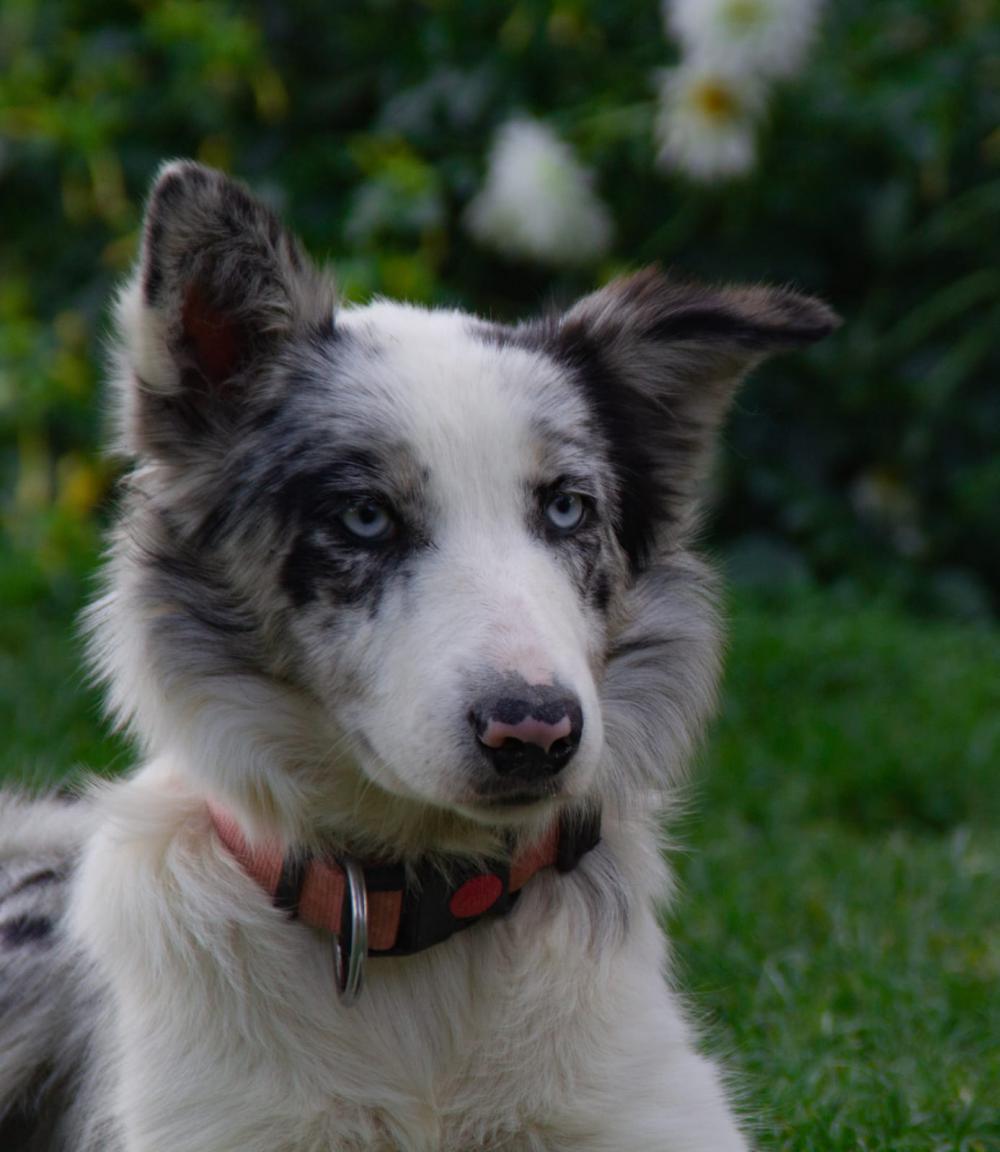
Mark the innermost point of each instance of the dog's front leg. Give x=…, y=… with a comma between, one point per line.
x=641, y=1085
x=679, y=1107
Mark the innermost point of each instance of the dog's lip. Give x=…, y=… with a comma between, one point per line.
x=507, y=795
x=517, y=799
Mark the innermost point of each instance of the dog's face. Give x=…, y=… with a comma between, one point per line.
x=414, y=538
x=449, y=557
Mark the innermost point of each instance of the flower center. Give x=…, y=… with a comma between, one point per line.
x=715, y=100
x=742, y=15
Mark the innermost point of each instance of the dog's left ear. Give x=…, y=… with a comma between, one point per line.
x=660, y=362
x=221, y=286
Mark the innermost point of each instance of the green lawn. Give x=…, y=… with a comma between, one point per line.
x=838, y=927
x=839, y=921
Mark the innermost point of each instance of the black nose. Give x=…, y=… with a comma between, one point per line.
x=528, y=731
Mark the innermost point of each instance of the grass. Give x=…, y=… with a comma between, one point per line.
x=838, y=931
x=839, y=920
x=49, y=717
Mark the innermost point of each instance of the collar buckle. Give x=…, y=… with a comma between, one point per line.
x=444, y=903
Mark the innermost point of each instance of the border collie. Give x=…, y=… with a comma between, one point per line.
x=401, y=610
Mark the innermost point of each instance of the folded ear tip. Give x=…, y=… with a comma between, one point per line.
x=795, y=319
x=820, y=320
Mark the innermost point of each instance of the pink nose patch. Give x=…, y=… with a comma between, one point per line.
x=528, y=731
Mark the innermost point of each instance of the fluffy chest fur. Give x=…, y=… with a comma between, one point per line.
x=501, y=1038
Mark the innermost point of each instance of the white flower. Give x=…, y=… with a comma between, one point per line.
x=538, y=201
x=768, y=38
x=705, y=124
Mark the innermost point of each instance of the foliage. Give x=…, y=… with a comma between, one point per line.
x=873, y=458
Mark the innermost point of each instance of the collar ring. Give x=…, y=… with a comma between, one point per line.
x=350, y=949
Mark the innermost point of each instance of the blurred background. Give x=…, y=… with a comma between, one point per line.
x=510, y=157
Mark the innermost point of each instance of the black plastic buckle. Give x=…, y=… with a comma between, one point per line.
x=426, y=918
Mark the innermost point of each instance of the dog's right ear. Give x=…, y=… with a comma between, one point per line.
x=220, y=287
x=660, y=361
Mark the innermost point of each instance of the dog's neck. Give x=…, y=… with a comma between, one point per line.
x=410, y=907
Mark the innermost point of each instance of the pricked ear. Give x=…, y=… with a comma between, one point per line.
x=220, y=286
x=660, y=361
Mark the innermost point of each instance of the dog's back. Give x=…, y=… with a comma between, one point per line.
x=46, y=1003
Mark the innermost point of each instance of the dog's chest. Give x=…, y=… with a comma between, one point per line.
x=469, y=1045
x=231, y=1035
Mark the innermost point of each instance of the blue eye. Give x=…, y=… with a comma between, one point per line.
x=368, y=520
x=566, y=511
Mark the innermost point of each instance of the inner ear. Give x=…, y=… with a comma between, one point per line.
x=216, y=341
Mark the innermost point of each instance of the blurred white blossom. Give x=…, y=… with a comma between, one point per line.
x=768, y=38
x=705, y=124
x=538, y=201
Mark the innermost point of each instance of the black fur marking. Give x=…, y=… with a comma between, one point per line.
x=715, y=323
x=324, y=332
x=346, y=574
x=184, y=578
x=24, y=930
x=600, y=592
x=305, y=569
x=637, y=647
x=627, y=422
x=35, y=879
x=154, y=270
x=314, y=496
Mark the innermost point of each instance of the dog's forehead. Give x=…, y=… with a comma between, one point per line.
x=439, y=383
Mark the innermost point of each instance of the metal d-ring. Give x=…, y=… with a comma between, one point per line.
x=350, y=971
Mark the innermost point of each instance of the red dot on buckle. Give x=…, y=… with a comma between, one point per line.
x=476, y=896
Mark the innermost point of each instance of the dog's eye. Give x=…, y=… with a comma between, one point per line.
x=566, y=511
x=368, y=520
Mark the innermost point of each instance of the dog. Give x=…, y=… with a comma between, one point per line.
x=402, y=611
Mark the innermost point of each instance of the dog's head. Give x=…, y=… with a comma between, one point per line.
x=404, y=569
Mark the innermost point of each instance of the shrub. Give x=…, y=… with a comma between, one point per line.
x=872, y=459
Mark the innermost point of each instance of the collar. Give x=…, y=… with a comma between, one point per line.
x=406, y=910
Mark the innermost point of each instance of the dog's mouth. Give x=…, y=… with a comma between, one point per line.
x=514, y=796
x=507, y=798
x=511, y=797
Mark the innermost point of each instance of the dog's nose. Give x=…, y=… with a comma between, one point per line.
x=529, y=731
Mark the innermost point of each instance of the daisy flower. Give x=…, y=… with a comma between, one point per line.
x=768, y=38
x=538, y=201
x=705, y=123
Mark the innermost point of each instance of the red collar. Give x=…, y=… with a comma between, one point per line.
x=403, y=916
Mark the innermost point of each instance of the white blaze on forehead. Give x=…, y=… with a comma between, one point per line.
x=468, y=408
